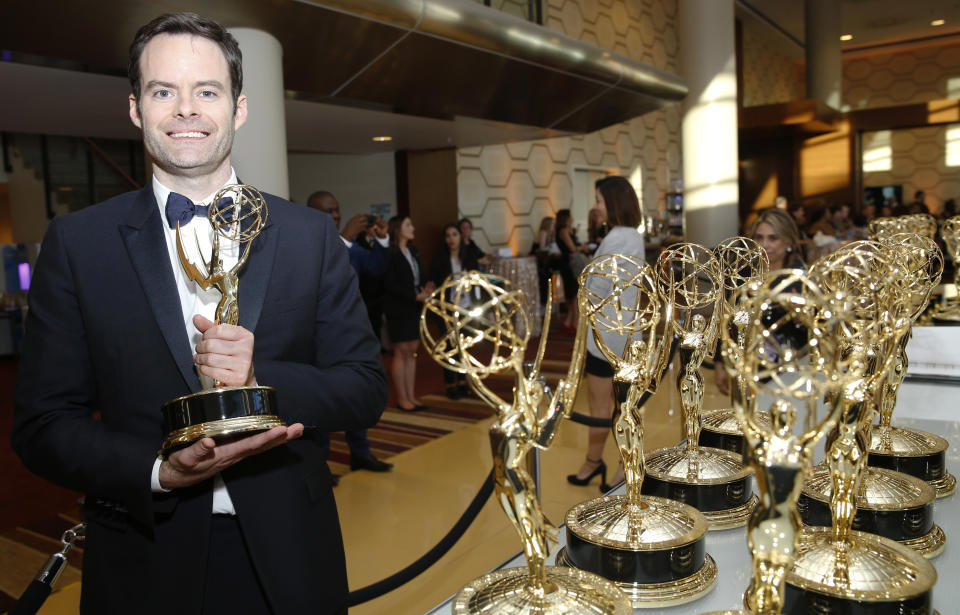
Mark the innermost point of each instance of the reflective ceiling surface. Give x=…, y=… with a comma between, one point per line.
x=477, y=74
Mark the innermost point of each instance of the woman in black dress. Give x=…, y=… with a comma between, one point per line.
x=568, y=246
x=452, y=258
x=403, y=301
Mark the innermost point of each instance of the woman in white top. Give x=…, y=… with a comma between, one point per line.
x=618, y=199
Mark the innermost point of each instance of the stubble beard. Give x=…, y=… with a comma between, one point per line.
x=184, y=166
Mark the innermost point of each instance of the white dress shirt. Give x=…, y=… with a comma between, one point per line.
x=196, y=237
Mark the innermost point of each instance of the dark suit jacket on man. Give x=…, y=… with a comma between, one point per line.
x=105, y=335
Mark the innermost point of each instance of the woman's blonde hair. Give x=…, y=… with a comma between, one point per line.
x=784, y=226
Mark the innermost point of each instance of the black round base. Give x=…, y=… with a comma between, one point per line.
x=797, y=601
x=930, y=467
x=735, y=443
x=703, y=497
x=899, y=525
x=222, y=414
x=640, y=566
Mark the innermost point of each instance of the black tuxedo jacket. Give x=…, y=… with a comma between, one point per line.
x=106, y=346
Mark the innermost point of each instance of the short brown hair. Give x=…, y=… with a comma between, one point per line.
x=623, y=207
x=193, y=25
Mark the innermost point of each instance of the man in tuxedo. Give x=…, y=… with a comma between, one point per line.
x=368, y=262
x=116, y=329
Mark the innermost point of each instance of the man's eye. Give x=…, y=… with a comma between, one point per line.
x=208, y=94
x=163, y=94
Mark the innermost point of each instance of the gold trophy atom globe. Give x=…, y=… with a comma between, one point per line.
x=742, y=261
x=478, y=336
x=714, y=481
x=238, y=214
x=795, y=370
x=653, y=548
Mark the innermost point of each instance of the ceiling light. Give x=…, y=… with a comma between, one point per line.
x=846, y=37
x=937, y=22
x=382, y=139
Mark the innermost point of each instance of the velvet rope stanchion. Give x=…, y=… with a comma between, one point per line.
x=397, y=579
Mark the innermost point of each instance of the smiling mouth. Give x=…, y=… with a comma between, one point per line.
x=193, y=134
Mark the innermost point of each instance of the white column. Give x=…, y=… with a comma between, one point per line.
x=260, y=147
x=824, y=60
x=708, y=64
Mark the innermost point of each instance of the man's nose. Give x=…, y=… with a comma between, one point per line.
x=186, y=106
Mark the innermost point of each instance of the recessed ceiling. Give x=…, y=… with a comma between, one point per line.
x=871, y=22
x=62, y=102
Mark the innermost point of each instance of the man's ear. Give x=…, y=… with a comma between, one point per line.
x=240, y=115
x=135, y=112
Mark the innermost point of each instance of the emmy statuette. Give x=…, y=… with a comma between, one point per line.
x=838, y=569
x=653, y=548
x=742, y=261
x=478, y=335
x=794, y=370
x=891, y=281
x=714, y=481
x=911, y=451
x=238, y=214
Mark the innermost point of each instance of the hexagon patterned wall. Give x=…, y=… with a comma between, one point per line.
x=507, y=189
x=901, y=77
x=918, y=159
x=769, y=75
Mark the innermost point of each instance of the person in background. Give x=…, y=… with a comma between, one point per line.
x=365, y=261
x=404, y=295
x=919, y=204
x=776, y=232
x=568, y=245
x=451, y=259
x=618, y=201
x=597, y=225
x=820, y=222
x=949, y=209
x=547, y=253
x=473, y=250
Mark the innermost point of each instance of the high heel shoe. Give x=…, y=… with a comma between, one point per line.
x=601, y=469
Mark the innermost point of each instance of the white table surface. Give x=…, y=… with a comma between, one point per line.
x=920, y=405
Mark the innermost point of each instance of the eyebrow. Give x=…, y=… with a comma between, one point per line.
x=166, y=84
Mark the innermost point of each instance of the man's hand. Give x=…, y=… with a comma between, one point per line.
x=225, y=353
x=354, y=227
x=380, y=227
x=205, y=457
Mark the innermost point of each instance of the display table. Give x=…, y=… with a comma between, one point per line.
x=729, y=548
x=522, y=272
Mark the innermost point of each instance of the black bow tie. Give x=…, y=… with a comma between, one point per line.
x=181, y=209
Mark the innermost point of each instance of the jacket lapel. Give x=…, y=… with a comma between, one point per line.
x=143, y=235
x=255, y=277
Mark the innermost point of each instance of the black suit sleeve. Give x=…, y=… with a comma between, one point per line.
x=344, y=388
x=55, y=432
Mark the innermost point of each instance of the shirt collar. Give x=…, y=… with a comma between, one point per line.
x=161, y=192
x=346, y=241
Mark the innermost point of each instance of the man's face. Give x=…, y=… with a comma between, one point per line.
x=186, y=109
x=329, y=205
